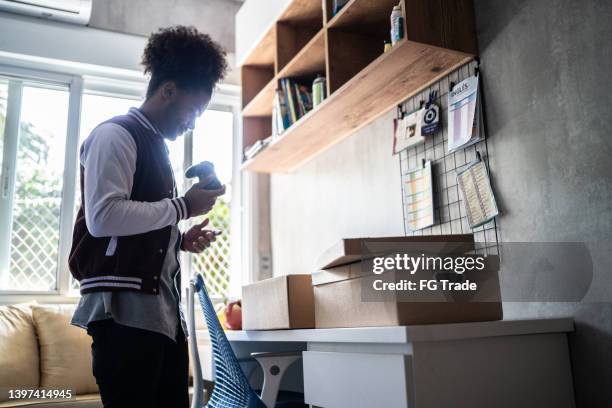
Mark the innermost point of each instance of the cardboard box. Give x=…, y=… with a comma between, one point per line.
x=339, y=300
x=350, y=250
x=284, y=302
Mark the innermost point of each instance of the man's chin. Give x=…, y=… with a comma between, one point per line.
x=172, y=136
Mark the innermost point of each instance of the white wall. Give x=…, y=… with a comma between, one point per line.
x=253, y=20
x=351, y=190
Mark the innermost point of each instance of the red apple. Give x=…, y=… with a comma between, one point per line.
x=233, y=316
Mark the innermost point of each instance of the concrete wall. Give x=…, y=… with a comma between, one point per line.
x=142, y=17
x=546, y=66
x=546, y=69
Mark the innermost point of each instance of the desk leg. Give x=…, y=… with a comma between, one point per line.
x=293, y=379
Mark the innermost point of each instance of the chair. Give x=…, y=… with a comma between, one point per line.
x=232, y=388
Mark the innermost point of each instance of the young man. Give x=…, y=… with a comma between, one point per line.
x=126, y=240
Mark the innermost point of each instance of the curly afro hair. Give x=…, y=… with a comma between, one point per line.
x=184, y=55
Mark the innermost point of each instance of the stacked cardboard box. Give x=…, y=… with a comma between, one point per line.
x=341, y=286
x=339, y=293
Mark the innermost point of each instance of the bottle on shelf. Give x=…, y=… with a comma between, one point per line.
x=397, y=24
x=318, y=91
x=387, y=46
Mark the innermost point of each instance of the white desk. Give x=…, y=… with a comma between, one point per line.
x=513, y=364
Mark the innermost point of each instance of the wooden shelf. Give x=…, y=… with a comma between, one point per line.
x=263, y=54
x=261, y=104
x=310, y=60
x=257, y=76
x=303, y=12
x=363, y=83
x=359, y=13
x=388, y=80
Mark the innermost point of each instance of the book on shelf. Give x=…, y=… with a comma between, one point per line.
x=280, y=114
x=256, y=147
x=304, y=99
x=253, y=150
x=275, y=129
x=299, y=104
x=297, y=98
x=291, y=102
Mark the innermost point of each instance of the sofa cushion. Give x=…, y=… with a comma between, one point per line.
x=65, y=351
x=18, y=349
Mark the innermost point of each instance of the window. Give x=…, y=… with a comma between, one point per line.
x=96, y=108
x=212, y=141
x=32, y=183
x=3, y=100
x=4, y=277
x=44, y=118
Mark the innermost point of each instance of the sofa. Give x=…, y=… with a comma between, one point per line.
x=39, y=349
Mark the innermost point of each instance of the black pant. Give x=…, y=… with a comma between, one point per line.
x=139, y=368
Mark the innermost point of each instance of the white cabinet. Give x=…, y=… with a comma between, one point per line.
x=334, y=379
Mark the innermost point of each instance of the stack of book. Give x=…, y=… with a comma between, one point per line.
x=292, y=101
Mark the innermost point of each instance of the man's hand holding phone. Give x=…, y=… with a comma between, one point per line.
x=198, y=238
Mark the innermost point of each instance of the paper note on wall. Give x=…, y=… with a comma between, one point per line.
x=418, y=197
x=464, y=114
x=408, y=132
x=477, y=194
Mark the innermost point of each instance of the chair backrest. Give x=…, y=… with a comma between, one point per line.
x=232, y=388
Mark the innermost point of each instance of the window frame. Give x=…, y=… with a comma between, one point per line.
x=21, y=77
x=226, y=98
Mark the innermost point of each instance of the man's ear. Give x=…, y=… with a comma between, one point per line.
x=168, y=90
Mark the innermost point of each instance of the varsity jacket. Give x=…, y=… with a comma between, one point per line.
x=122, y=230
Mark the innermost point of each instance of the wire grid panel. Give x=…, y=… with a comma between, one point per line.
x=214, y=262
x=449, y=210
x=35, y=244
